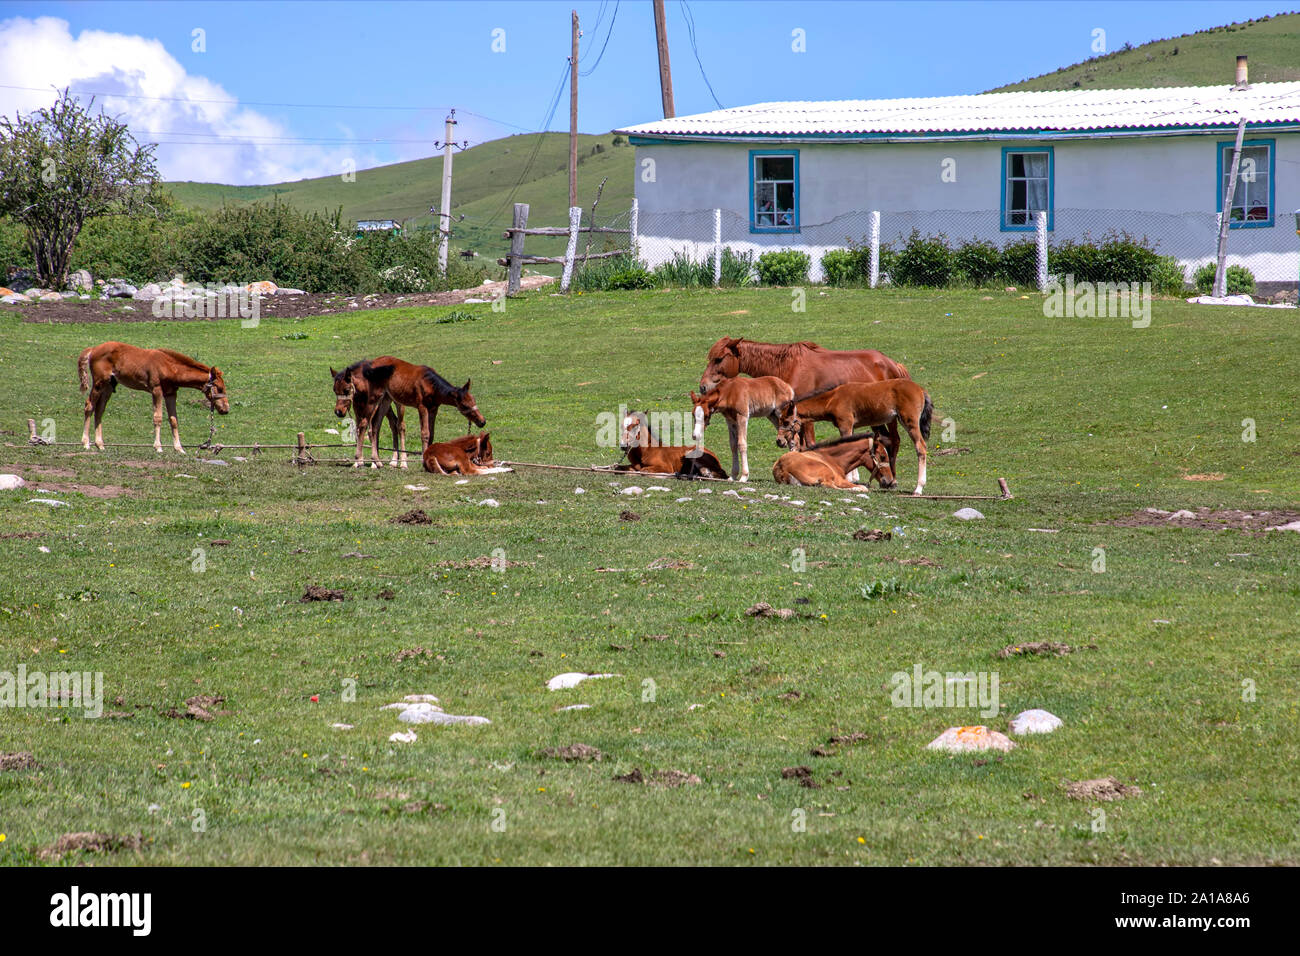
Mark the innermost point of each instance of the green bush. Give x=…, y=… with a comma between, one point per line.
x=683, y=272
x=976, y=262
x=1083, y=260
x=1168, y=277
x=737, y=268
x=783, y=267
x=616, y=272
x=1125, y=259
x=923, y=261
x=1019, y=263
x=1241, y=281
x=839, y=267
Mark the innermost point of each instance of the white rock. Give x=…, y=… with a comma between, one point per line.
x=1181, y=513
x=403, y=738
x=48, y=501
x=341, y=726
x=575, y=707
x=10, y=482
x=572, y=679
x=1293, y=526
x=16, y=299
x=706, y=491
x=731, y=493
x=579, y=491
x=960, y=739
x=632, y=490
x=420, y=699
x=490, y=503
x=416, y=487
x=43, y=550
x=289, y=292
x=681, y=500
x=418, y=713
x=1034, y=722
x=440, y=718
x=657, y=488
x=331, y=431
x=967, y=514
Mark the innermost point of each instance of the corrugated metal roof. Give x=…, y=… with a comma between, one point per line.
x=1064, y=110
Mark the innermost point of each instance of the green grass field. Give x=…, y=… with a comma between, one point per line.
x=1089, y=420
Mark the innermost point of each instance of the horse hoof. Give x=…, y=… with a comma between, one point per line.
x=356, y=464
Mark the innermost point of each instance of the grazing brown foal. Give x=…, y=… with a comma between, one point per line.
x=830, y=463
x=737, y=399
x=369, y=405
x=160, y=372
x=423, y=388
x=873, y=404
x=644, y=452
x=467, y=455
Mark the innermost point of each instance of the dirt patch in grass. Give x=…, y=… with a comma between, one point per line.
x=409, y=652
x=875, y=534
x=415, y=516
x=1033, y=648
x=1255, y=522
x=90, y=843
x=763, y=609
x=912, y=562
x=573, y=752
x=22, y=535
x=628, y=516
x=81, y=488
x=668, y=564
x=660, y=778
x=20, y=760
x=316, y=593
x=387, y=594
x=952, y=451
x=482, y=561
x=1103, y=788
x=201, y=707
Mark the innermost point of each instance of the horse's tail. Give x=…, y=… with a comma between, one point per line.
x=926, y=411
x=83, y=368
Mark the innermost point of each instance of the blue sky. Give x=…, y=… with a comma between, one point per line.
x=338, y=63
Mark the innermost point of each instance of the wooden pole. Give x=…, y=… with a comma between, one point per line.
x=444, y=208
x=571, y=252
x=302, y=448
x=517, y=247
x=665, y=68
x=573, y=115
x=1220, y=272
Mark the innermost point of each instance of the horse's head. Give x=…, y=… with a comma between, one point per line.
x=466, y=405
x=483, y=454
x=636, y=431
x=702, y=410
x=724, y=362
x=789, y=428
x=344, y=392
x=877, y=463
x=214, y=390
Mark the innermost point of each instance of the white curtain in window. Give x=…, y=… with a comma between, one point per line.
x=1036, y=187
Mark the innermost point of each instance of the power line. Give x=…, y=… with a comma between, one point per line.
x=608, y=33
x=187, y=99
x=537, y=145
x=690, y=29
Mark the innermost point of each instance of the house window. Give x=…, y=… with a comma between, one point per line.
x=1026, y=188
x=1252, y=200
x=774, y=191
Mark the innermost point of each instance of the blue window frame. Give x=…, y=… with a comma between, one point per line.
x=1252, y=200
x=1028, y=187
x=774, y=190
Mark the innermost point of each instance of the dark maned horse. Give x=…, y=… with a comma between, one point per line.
x=158, y=371
x=369, y=405
x=806, y=366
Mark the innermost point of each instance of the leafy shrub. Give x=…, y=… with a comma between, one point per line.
x=1125, y=259
x=839, y=267
x=683, y=272
x=1019, y=262
x=1241, y=281
x=616, y=272
x=783, y=267
x=1168, y=277
x=976, y=262
x=923, y=261
x=737, y=268
x=14, y=253
x=1083, y=260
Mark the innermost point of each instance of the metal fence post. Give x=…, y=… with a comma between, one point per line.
x=571, y=251
x=875, y=248
x=1040, y=239
x=717, y=247
x=632, y=225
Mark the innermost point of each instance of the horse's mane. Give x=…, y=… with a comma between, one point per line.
x=377, y=376
x=182, y=357
x=351, y=369
x=436, y=380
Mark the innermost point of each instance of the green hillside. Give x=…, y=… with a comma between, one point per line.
x=483, y=178
x=1205, y=58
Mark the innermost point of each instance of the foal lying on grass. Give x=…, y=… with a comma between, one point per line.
x=869, y=403
x=468, y=455
x=827, y=464
x=644, y=453
x=738, y=399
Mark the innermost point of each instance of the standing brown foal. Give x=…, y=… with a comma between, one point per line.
x=369, y=404
x=423, y=388
x=737, y=399
x=159, y=372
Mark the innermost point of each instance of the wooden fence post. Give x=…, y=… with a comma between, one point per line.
x=519, y=224
x=717, y=247
x=874, y=277
x=575, y=223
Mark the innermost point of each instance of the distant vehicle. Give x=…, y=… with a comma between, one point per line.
x=378, y=225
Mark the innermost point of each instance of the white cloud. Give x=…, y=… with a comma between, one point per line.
x=42, y=54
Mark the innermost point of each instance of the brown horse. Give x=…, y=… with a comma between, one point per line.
x=467, y=455
x=806, y=366
x=644, y=452
x=737, y=399
x=828, y=464
x=423, y=388
x=157, y=371
x=869, y=403
x=369, y=406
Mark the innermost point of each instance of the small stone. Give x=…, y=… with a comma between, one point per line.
x=490, y=503
x=632, y=490
x=962, y=739
x=1034, y=722
x=967, y=514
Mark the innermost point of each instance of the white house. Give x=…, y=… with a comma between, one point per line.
x=1152, y=162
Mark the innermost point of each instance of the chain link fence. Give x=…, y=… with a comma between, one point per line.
x=1271, y=254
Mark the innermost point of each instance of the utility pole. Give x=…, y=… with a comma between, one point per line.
x=444, y=210
x=573, y=115
x=665, y=69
